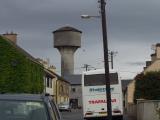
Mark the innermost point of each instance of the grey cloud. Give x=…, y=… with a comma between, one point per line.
x=134, y=18
x=138, y=63
x=133, y=25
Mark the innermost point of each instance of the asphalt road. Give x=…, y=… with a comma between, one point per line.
x=77, y=115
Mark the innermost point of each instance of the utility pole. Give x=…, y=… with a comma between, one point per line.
x=112, y=53
x=106, y=61
x=86, y=66
x=112, y=59
x=106, y=64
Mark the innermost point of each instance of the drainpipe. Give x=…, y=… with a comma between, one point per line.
x=44, y=78
x=56, y=92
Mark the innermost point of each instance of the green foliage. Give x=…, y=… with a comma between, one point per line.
x=147, y=86
x=18, y=74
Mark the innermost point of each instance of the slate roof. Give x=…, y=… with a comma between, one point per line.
x=59, y=77
x=74, y=79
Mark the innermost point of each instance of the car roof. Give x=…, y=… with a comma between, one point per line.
x=32, y=97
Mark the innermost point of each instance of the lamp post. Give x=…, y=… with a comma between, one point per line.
x=89, y=16
x=105, y=47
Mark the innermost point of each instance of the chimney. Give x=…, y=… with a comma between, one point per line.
x=52, y=68
x=153, y=57
x=158, y=50
x=144, y=68
x=148, y=63
x=11, y=36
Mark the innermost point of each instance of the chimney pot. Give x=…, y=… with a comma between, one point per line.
x=158, y=50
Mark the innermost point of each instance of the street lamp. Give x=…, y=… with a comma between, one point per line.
x=89, y=16
x=105, y=47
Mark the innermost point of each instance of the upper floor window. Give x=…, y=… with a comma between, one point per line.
x=61, y=89
x=49, y=82
x=73, y=89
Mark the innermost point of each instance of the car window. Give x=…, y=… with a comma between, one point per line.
x=23, y=110
x=52, y=111
x=56, y=110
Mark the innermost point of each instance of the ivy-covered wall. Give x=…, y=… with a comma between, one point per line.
x=18, y=73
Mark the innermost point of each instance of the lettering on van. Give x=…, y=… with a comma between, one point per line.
x=100, y=101
x=99, y=89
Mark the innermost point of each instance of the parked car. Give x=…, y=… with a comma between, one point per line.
x=64, y=106
x=28, y=107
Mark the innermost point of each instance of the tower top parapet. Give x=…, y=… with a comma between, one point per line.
x=67, y=28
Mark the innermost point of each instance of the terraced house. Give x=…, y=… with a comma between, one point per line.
x=22, y=73
x=61, y=87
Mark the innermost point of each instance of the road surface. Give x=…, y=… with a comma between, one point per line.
x=76, y=114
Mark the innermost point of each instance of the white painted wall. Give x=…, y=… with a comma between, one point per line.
x=148, y=110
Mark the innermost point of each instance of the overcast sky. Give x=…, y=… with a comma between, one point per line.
x=133, y=26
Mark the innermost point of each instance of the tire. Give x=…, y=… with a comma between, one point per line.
x=117, y=117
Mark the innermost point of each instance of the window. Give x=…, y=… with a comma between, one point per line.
x=53, y=115
x=55, y=109
x=49, y=82
x=24, y=110
x=99, y=79
x=60, y=89
x=73, y=89
x=67, y=90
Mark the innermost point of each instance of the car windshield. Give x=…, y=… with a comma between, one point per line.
x=22, y=110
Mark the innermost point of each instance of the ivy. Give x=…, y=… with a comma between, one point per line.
x=18, y=73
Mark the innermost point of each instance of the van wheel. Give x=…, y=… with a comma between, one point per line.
x=118, y=118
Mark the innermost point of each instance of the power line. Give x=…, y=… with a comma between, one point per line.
x=87, y=67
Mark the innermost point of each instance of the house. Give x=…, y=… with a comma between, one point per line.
x=62, y=87
x=152, y=65
x=50, y=78
x=125, y=83
x=19, y=71
x=56, y=85
x=75, y=90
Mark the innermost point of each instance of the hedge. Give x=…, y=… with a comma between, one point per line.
x=147, y=86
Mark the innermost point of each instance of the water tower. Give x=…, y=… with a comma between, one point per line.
x=67, y=40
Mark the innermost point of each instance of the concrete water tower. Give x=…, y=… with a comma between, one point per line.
x=67, y=40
